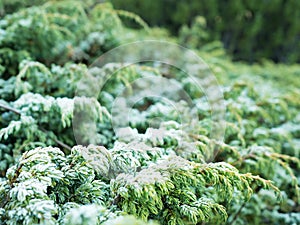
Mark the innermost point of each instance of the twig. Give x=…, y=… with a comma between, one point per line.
x=63, y=144
x=238, y=213
x=56, y=140
x=9, y=108
x=11, y=183
x=6, y=107
x=4, y=201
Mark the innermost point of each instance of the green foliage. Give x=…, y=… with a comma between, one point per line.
x=176, y=191
x=196, y=35
x=158, y=166
x=29, y=195
x=10, y=6
x=249, y=30
x=33, y=183
x=60, y=31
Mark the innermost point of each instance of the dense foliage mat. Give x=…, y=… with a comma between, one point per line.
x=159, y=171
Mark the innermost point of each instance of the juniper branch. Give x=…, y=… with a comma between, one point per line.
x=238, y=213
x=60, y=143
x=8, y=108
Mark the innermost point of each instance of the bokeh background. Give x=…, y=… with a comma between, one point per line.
x=249, y=30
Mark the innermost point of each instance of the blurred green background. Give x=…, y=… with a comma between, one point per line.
x=250, y=30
